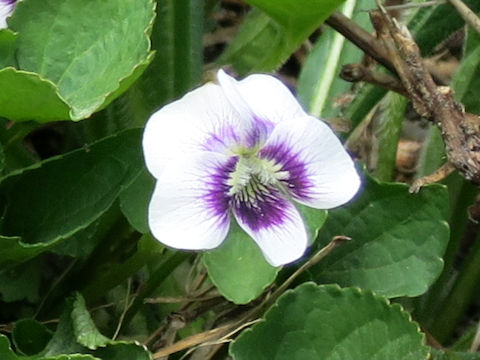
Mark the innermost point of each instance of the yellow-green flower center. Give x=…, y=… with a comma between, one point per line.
x=253, y=175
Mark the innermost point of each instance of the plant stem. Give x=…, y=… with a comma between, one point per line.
x=156, y=279
x=457, y=302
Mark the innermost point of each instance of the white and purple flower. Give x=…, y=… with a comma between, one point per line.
x=244, y=149
x=6, y=8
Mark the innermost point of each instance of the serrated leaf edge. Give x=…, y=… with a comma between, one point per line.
x=41, y=77
x=405, y=314
x=147, y=60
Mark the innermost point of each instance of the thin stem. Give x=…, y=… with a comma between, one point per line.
x=221, y=333
x=415, y=5
x=125, y=309
x=156, y=279
x=315, y=259
x=460, y=297
x=467, y=14
x=55, y=285
x=476, y=340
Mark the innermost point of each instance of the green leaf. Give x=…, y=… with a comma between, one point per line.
x=76, y=331
x=84, y=329
x=30, y=337
x=266, y=40
x=123, y=351
x=330, y=323
x=134, y=201
x=297, y=15
x=2, y=160
x=177, y=67
x=27, y=96
x=7, y=48
x=454, y=355
x=319, y=85
x=62, y=195
x=89, y=51
x=313, y=218
x=238, y=267
x=149, y=250
x=398, y=239
x=6, y=353
x=432, y=25
x=388, y=128
x=465, y=82
x=22, y=282
x=64, y=340
x=88, y=335
x=259, y=45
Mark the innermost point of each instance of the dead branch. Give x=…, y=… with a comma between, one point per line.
x=395, y=48
x=359, y=72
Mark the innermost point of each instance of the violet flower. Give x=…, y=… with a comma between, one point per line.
x=6, y=8
x=244, y=149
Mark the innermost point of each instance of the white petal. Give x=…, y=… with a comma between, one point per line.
x=276, y=226
x=256, y=128
x=203, y=120
x=230, y=87
x=6, y=8
x=320, y=173
x=189, y=207
x=269, y=98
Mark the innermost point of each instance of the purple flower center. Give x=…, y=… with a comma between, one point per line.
x=259, y=206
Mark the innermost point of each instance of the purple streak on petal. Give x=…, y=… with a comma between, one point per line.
x=221, y=139
x=297, y=183
x=259, y=132
x=266, y=209
x=216, y=189
x=8, y=2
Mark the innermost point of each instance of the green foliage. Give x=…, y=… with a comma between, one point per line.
x=319, y=86
x=266, y=40
x=77, y=333
x=84, y=329
x=76, y=71
x=327, y=322
x=432, y=25
x=238, y=268
x=74, y=196
x=42, y=195
x=134, y=201
x=7, y=48
x=30, y=337
x=453, y=355
x=177, y=67
x=398, y=240
x=22, y=282
x=30, y=96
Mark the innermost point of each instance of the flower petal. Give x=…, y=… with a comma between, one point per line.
x=320, y=173
x=275, y=225
x=190, y=206
x=269, y=98
x=256, y=128
x=203, y=120
x=6, y=8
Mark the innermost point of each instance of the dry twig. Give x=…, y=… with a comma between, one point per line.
x=395, y=48
x=467, y=14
